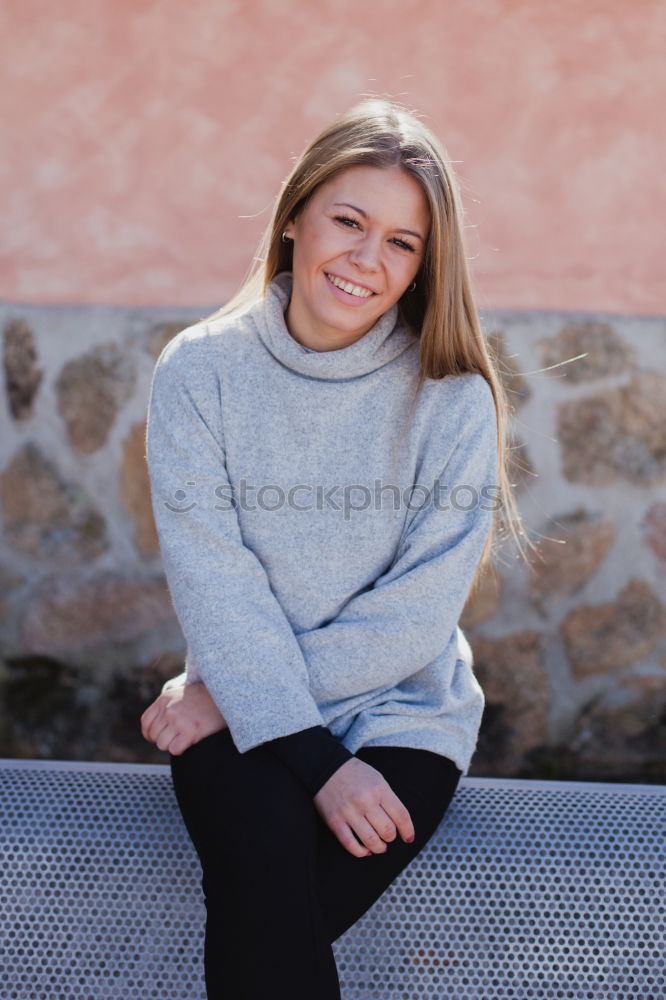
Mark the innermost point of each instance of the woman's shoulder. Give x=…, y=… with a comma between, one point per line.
x=200, y=342
x=464, y=395
x=458, y=412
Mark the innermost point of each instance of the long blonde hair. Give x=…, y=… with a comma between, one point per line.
x=441, y=310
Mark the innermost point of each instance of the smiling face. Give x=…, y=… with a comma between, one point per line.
x=358, y=245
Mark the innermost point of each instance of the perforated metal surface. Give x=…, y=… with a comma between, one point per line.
x=527, y=889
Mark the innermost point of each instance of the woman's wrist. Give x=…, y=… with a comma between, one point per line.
x=313, y=755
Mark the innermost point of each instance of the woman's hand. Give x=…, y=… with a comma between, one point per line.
x=357, y=799
x=180, y=717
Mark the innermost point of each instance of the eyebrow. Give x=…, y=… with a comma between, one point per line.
x=360, y=211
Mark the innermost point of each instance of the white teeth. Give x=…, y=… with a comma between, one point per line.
x=346, y=286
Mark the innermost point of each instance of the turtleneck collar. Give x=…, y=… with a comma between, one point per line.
x=387, y=339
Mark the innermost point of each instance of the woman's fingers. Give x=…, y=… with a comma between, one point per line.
x=163, y=712
x=171, y=728
x=164, y=738
x=154, y=724
x=148, y=718
x=179, y=744
x=369, y=835
x=345, y=835
x=157, y=718
x=398, y=815
x=180, y=717
x=173, y=737
x=381, y=823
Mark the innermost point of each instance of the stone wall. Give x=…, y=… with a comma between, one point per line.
x=571, y=650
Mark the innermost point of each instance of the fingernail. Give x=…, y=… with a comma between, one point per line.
x=409, y=840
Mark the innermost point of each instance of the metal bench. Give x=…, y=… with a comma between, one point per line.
x=527, y=889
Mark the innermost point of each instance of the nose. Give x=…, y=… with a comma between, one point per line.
x=366, y=253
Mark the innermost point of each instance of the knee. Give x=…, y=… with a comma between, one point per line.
x=245, y=806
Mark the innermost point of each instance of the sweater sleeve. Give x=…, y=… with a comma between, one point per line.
x=237, y=634
x=313, y=755
x=406, y=619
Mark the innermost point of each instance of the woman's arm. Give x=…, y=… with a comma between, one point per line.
x=236, y=631
x=386, y=634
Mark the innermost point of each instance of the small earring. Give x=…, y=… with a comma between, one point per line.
x=412, y=287
x=285, y=238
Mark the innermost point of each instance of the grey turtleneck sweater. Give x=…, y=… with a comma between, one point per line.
x=319, y=545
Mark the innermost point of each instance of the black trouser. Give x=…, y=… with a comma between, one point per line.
x=279, y=887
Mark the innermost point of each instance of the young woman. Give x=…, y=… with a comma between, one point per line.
x=327, y=465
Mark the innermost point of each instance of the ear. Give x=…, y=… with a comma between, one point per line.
x=290, y=230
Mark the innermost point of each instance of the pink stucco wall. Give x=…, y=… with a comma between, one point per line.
x=144, y=140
